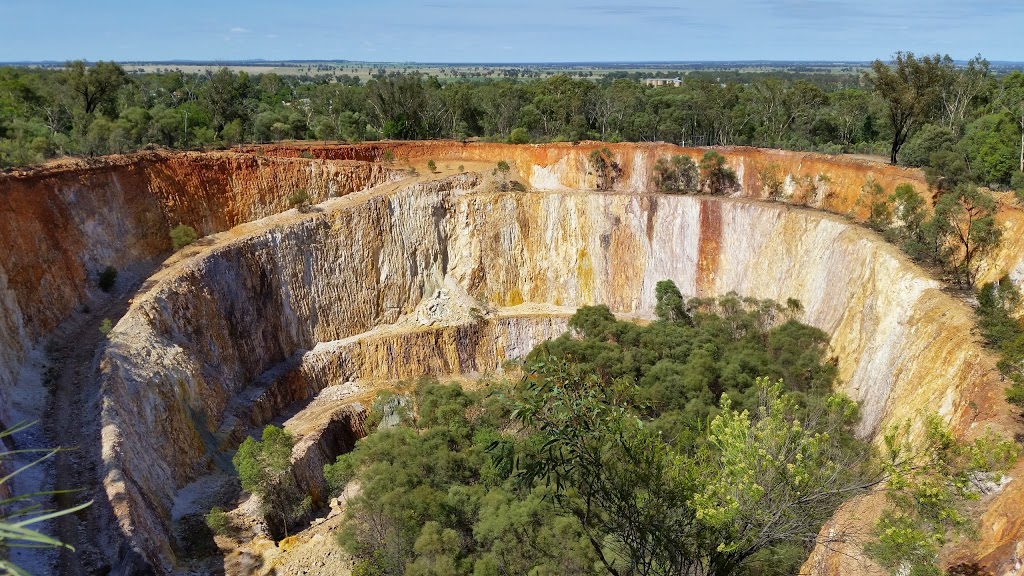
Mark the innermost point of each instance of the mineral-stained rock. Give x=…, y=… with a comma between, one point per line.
x=268, y=314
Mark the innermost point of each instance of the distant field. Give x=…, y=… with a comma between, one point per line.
x=367, y=70
x=447, y=72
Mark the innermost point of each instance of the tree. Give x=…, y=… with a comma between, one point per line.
x=931, y=138
x=679, y=174
x=963, y=86
x=604, y=166
x=770, y=477
x=879, y=211
x=1012, y=99
x=96, y=86
x=226, y=96
x=912, y=90
x=928, y=485
x=715, y=175
x=182, y=235
x=627, y=488
x=670, y=304
x=649, y=509
x=264, y=469
x=991, y=148
x=965, y=218
x=908, y=216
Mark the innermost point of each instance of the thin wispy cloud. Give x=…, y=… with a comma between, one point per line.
x=528, y=31
x=633, y=9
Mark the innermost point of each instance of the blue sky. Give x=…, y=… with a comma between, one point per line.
x=508, y=30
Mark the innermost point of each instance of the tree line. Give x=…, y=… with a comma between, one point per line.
x=910, y=108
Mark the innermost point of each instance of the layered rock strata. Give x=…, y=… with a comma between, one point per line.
x=267, y=314
x=199, y=337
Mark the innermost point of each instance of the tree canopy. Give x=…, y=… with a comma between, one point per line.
x=578, y=469
x=100, y=108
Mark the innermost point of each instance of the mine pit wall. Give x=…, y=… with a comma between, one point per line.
x=832, y=183
x=64, y=223
x=387, y=355
x=477, y=348
x=195, y=341
x=60, y=226
x=335, y=437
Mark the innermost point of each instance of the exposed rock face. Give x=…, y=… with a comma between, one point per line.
x=61, y=226
x=270, y=314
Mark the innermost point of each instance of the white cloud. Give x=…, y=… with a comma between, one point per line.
x=239, y=30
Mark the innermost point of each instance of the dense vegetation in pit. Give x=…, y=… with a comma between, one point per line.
x=654, y=449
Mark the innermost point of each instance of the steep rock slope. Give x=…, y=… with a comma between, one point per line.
x=203, y=331
x=61, y=225
x=211, y=327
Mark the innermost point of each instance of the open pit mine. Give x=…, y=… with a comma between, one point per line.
x=298, y=316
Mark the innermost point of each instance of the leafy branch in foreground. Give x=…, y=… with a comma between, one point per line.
x=22, y=513
x=759, y=484
x=929, y=484
x=756, y=483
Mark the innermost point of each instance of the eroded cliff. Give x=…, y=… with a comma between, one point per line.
x=443, y=277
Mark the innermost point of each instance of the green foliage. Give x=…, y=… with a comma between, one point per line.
x=772, y=183
x=912, y=90
x=182, y=235
x=432, y=166
x=929, y=140
x=961, y=229
x=770, y=475
x=678, y=174
x=991, y=146
x=98, y=109
x=592, y=321
x=965, y=229
x=433, y=500
x=95, y=87
x=260, y=463
x=929, y=483
x=218, y=521
x=699, y=350
x=880, y=213
x=670, y=306
x=503, y=167
x=24, y=515
x=906, y=228
x=715, y=175
x=106, y=326
x=519, y=136
x=583, y=469
x=753, y=483
x=107, y=279
x=1017, y=183
x=604, y=167
x=628, y=489
x=997, y=304
x=299, y=198
x=264, y=469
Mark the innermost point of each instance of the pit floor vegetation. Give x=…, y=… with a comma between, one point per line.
x=706, y=442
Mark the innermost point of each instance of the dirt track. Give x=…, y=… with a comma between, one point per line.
x=72, y=422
